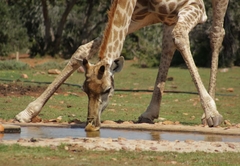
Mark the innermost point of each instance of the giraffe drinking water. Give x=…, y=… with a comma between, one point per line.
x=179, y=18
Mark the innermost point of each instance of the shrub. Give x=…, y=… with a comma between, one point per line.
x=51, y=65
x=13, y=65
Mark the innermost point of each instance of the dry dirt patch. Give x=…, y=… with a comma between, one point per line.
x=120, y=143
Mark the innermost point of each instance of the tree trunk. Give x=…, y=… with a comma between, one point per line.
x=58, y=35
x=47, y=23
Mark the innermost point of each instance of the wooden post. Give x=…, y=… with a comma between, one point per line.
x=17, y=56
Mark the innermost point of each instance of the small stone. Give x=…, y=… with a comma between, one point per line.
x=108, y=122
x=59, y=118
x=54, y=71
x=173, y=162
x=177, y=123
x=24, y=76
x=230, y=89
x=109, y=140
x=162, y=119
x=21, y=140
x=138, y=149
x=238, y=125
x=1, y=128
x=217, y=145
x=75, y=121
x=126, y=122
x=52, y=120
x=158, y=123
x=69, y=106
x=66, y=147
x=189, y=141
x=124, y=148
x=230, y=145
x=153, y=148
x=226, y=122
x=33, y=140
x=36, y=119
x=121, y=139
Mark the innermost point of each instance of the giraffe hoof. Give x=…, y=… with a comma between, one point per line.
x=213, y=121
x=90, y=128
x=145, y=120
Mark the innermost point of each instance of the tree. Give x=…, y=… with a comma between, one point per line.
x=13, y=34
x=64, y=25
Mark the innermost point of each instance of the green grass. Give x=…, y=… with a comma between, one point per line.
x=13, y=65
x=50, y=156
x=181, y=107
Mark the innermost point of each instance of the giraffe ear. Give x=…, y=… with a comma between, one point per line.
x=117, y=64
x=101, y=72
x=84, y=63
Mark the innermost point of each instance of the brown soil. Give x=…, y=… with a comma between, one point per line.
x=16, y=89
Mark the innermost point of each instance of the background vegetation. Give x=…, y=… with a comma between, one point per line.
x=58, y=27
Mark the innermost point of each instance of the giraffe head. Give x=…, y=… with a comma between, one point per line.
x=99, y=86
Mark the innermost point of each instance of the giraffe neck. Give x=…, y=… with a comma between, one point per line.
x=119, y=18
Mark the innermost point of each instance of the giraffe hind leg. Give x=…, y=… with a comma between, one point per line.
x=168, y=49
x=216, y=39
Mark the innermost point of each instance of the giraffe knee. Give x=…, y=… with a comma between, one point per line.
x=180, y=39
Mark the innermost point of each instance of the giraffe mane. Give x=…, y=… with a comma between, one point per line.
x=107, y=29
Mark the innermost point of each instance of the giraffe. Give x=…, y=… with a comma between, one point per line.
x=179, y=18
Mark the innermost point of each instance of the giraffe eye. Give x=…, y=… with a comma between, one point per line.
x=107, y=91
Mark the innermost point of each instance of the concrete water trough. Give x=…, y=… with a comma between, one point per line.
x=129, y=131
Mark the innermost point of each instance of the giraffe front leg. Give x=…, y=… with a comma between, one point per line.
x=28, y=113
x=34, y=108
x=181, y=40
x=216, y=39
x=168, y=49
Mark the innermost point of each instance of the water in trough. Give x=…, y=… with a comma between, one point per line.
x=57, y=132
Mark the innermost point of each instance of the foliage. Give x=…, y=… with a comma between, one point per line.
x=145, y=45
x=200, y=43
x=13, y=35
x=50, y=27
x=59, y=27
x=13, y=65
x=50, y=65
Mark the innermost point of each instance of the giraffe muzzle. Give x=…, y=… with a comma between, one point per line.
x=92, y=125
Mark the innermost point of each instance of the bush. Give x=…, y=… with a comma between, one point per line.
x=13, y=65
x=51, y=65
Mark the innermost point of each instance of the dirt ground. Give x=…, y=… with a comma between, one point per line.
x=15, y=89
x=121, y=143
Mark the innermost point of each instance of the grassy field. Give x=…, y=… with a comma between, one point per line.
x=181, y=107
x=71, y=103
x=50, y=156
